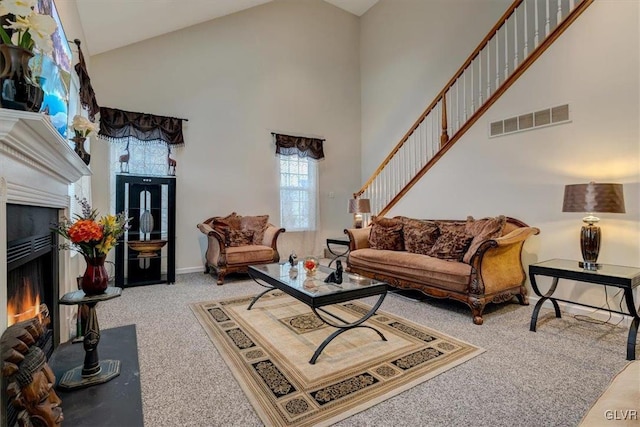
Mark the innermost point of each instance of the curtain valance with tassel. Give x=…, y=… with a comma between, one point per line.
x=87, y=95
x=288, y=145
x=118, y=125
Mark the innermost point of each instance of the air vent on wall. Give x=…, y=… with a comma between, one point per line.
x=546, y=117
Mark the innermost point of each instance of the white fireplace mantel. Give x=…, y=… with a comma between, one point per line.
x=37, y=165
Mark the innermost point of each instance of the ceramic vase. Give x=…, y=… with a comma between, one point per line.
x=80, y=150
x=95, y=279
x=18, y=90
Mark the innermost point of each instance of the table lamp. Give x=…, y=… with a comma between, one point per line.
x=592, y=198
x=358, y=207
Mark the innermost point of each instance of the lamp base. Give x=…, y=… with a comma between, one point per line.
x=592, y=266
x=590, y=243
x=357, y=221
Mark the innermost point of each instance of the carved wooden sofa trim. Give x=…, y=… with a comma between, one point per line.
x=494, y=274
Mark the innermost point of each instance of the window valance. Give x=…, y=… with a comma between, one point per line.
x=87, y=95
x=117, y=125
x=288, y=145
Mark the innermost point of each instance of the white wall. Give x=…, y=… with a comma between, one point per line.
x=409, y=49
x=287, y=66
x=594, y=68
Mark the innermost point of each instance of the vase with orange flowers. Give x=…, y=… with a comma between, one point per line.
x=93, y=237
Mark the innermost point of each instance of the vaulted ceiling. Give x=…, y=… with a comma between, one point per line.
x=110, y=24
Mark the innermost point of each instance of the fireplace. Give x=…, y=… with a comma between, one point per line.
x=32, y=267
x=36, y=168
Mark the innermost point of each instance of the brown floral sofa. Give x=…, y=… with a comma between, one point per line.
x=473, y=261
x=235, y=242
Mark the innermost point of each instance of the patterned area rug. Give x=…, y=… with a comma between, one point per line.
x=268, y=349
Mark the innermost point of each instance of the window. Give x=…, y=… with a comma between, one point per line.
x=298, y=193
x=145, y=158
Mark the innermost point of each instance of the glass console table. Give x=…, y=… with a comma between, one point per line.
x=625, y=278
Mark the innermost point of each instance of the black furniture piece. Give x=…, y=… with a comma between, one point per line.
x=625, y=278
x=93, y=371
x=115, y=403
x=146, y=253
x=316, y=293
x=339, y=241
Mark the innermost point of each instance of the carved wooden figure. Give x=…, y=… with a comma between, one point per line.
x=29, y=377
x=171, y=163
x=124, y=160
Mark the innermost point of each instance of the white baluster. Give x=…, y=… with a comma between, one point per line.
x=464, y=94
x=572, y=4
x=547, y=24
x=525, y=52
x=497, y=62
x=536, y=34
x=453, y=131
x=473, y=104
x=559, y=14
x=480, y=79
x=515, y=38
x=506, y=50
x=488, y=70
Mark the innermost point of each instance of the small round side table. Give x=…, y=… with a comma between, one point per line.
x=94, y=371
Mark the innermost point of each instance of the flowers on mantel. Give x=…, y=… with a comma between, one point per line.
x=28, y=29
x=83, y=127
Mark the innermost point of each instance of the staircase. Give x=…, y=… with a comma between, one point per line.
x=519, y=37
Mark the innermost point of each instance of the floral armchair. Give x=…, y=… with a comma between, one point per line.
x=235, y=242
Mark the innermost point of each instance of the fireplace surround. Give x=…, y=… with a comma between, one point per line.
x=36, y=168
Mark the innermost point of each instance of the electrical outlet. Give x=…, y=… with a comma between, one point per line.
x=332, y=195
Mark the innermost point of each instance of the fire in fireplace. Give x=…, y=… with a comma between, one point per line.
x=32, y=265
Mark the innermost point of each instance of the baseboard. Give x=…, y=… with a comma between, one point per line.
x=187, y=270
x=600, y=315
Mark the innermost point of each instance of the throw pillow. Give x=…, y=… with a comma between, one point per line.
x=239, y=237
x=482, y=230
x=222, y=223
x=452, y=243
x=419, y=235
x=386, y=233
x=257, y=224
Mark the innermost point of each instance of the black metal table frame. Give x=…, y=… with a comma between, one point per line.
x=316, y=304
x=588, y=277
x=339, y=242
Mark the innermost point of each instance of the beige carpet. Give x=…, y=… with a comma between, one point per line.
x=268, y=349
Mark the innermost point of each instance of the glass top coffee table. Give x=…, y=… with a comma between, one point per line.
x=314, y=292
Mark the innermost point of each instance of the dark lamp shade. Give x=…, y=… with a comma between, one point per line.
x=593, y=198
x=359, y=206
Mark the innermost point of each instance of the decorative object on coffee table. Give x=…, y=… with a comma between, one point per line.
x=592, y=198
x=93, y=371
x=310, y=265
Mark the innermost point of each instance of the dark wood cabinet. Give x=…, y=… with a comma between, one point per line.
x=146, y=253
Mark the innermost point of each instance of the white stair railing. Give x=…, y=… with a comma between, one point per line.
x=525, y=30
